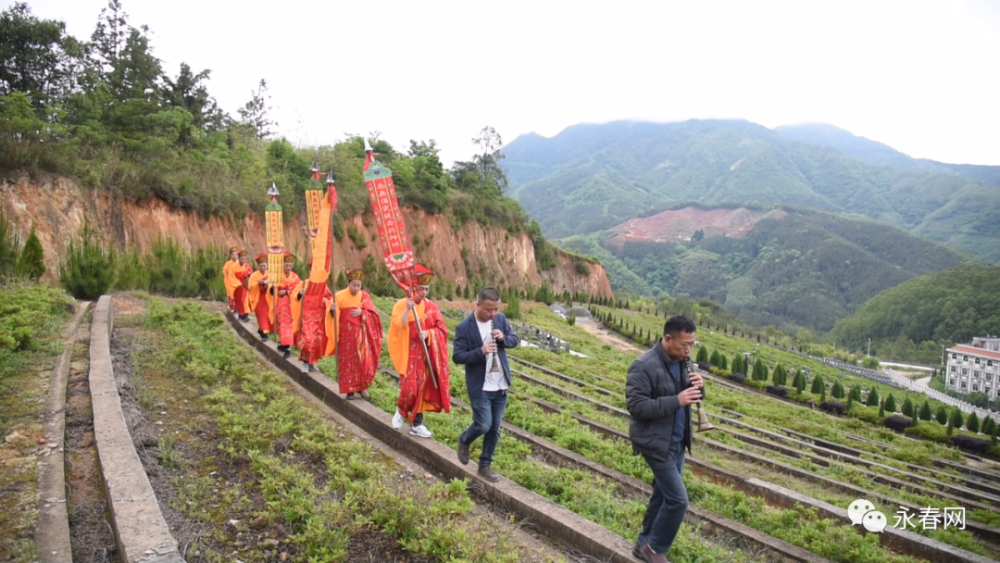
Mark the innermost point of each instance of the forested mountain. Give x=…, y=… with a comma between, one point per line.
x=939, y=308
x=807, y=269
x=872, y=152
x=590, y=177
x=107, y=113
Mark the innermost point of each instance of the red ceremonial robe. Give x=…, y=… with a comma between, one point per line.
x=241, y=296
x=417, y=393
x=312, y=337
x=358, y=341
x=288, y=310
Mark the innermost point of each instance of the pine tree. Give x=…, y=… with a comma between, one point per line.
x=341, y=282
x=513, y=308
x=988, y=425
x=822, y=394
x=702, y=354
x=941, y=415
x=908, y=407
x=972, y=425
x=873, y=398
x=31, y=264
x=10, y=246
x=856, y=393
x=88, y=270
x=925, y=411
x=817, y=385
x=850, y=401
x=881, y=409
x=890, y=404
x=759, y=370
x=800, y=381
x=714, y=358
x=957, y=420
x=737, y=364
x=724, y=361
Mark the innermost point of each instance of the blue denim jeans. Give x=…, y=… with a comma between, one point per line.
x=668, y=502
x=487, y=416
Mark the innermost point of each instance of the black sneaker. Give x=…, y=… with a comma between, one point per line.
x=263, y=335
x=486, y=472
x=463, y=452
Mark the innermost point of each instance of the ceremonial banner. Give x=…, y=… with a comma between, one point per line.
x=319, y=209
x=391, y=230
x=275, y=235
x=392, y=233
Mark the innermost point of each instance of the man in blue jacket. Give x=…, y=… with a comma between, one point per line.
x=658, y=393
x=481, y=341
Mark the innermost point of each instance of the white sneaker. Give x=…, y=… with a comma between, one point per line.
x=397, y=420
x=420, y=431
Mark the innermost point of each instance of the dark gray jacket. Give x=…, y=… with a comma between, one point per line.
x=651, y=399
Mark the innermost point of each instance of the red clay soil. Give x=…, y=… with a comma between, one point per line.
x=681, y=224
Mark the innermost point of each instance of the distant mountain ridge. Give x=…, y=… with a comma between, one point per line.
x=591, y=177
x=795, y=268
x=873, y=152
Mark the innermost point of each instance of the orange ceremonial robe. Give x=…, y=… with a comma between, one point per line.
x=241, y=296
x=417, y=392
x=229, y=277
x=261, y=302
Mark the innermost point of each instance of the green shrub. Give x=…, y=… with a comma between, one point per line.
x=941, y=415
x=890, y=404
x=89, y=268
x=837, y=391
x=31, y=264
x=908, y=407
x=929, y=432
x=10, y=247
x=956, y=420
x=702, y=355
x=867, y=415
x=817, y=385
x=972, y=424
x=873, y=398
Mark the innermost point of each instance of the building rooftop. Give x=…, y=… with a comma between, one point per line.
x=982, y=352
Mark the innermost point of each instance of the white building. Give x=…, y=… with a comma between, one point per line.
x=975, y=368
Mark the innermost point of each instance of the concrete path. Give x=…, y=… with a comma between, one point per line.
x=52, y=527
x=140, y=530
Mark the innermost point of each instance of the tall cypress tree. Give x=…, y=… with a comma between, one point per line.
x=31, y=264
x=925, y=411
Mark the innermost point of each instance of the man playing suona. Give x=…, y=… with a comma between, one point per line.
x=287, y=307
x=417, y=390
x=357, y=336
x=229, y=270
x=314, y=332
x=241, y=296
x=481, y=341
x=261, y=302
x=658, y=394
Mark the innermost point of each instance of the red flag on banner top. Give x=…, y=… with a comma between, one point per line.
x=391, y=229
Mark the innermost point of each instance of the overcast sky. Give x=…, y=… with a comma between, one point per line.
x=922, y=77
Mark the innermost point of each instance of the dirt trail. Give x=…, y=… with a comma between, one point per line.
x=608, y=337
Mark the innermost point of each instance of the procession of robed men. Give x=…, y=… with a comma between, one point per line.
x=308, y=315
